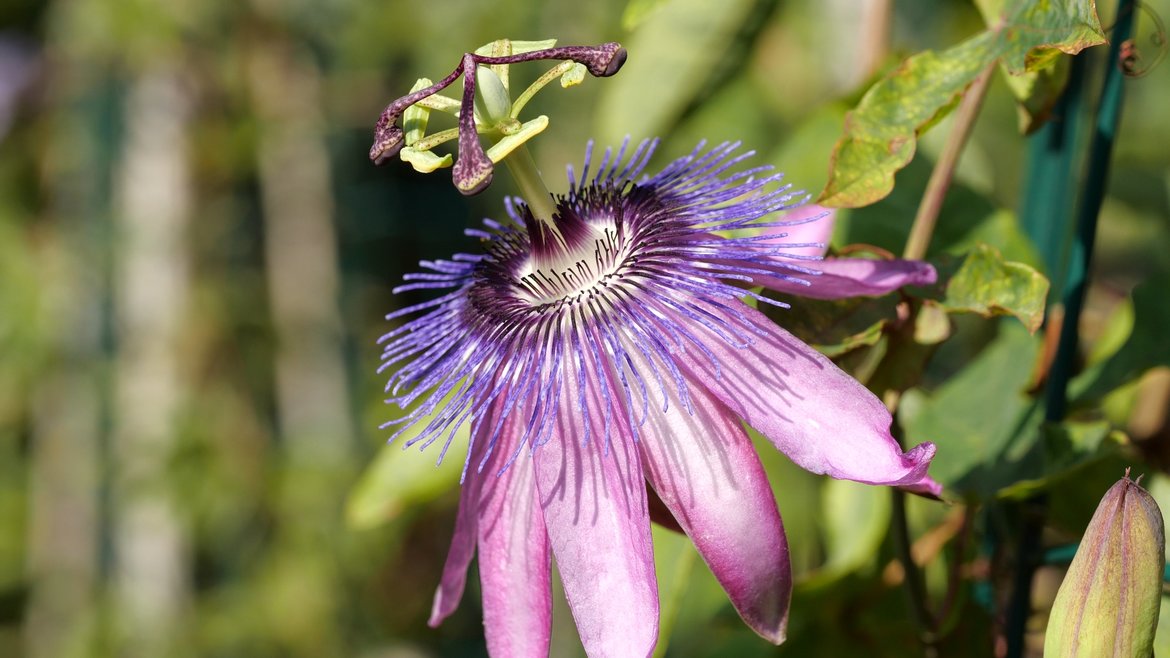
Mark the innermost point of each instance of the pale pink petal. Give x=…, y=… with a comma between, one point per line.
x=813, y=232
x=811, y=410
x=594, y=501
x=848, y=277
x=706, y=472
x=514, y=563
x=459, y=556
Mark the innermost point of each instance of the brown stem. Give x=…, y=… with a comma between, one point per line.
x=944, y=169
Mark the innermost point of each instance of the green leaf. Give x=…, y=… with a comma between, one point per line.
x=1065, y=449
x=1036, y=93
x=982, y=419
x=637, y=11
x=400, y=478
x=984, y=283
x=836, y=326
x=672, y=58
x=856, y=517
x=674, y=563
x=1146, y=347
x=881, y=134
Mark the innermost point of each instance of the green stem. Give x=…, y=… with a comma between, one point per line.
x=1048, y=196
x=912, y=575
x=944, y=169
x=532, y=189
x=1075, y=284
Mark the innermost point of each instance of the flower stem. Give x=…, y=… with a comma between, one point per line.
x=915, y=584
x=944, y=169
x=1075, y=284
x=532, y=189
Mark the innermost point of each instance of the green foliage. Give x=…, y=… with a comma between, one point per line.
x=881, y=134
x=671, y=60
x=835, y=326
x=400, y=478
x=856, y=520
x=1145, y=348
x=984, y=283
x=983, y=417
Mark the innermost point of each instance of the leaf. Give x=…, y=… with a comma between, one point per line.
x=1037, y=92
x=835, y=326
x=674, y=563
x=971, y=217
x=400, y=478
x=986, y=284
x=881, y=134
x=982, y=420
x=672, y=58
x=1146, y=347
x=1066, y=448
x=637, y=11
x=856, y=517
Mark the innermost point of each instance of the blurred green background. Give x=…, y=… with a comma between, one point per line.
x=196, y=255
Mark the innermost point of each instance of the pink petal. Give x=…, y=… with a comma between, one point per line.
x=810, y=409
x=459, y=556
x=514, y=563
x=816, y=231
x=705, y=470
x=850, y=277
x=594, y=501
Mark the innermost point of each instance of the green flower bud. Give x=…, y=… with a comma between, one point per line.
x=1108, y=602
x=493, y=104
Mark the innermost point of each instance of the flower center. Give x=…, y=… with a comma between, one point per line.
x=572, y=274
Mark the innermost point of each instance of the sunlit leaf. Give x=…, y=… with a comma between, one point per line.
x=881, y=134
x=986, y=284
x=399, y=478
x=674, y=563
x=856, y=518
x=1146, y=347
x=834, y=326
x=670, y=61
x=982, y=418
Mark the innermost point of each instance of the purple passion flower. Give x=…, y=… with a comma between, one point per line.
x=616, y=352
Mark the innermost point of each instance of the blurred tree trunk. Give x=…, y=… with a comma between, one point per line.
x=67, y=405
x=312, y=409
x=153, y=208
x=300, y=249
x=862, y=30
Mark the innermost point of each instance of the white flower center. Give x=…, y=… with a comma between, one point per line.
x=570, y=276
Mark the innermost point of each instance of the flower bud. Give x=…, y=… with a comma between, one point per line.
x=1108, y=602
x=493, y=104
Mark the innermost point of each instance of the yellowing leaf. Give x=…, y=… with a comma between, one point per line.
x=881, y=133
